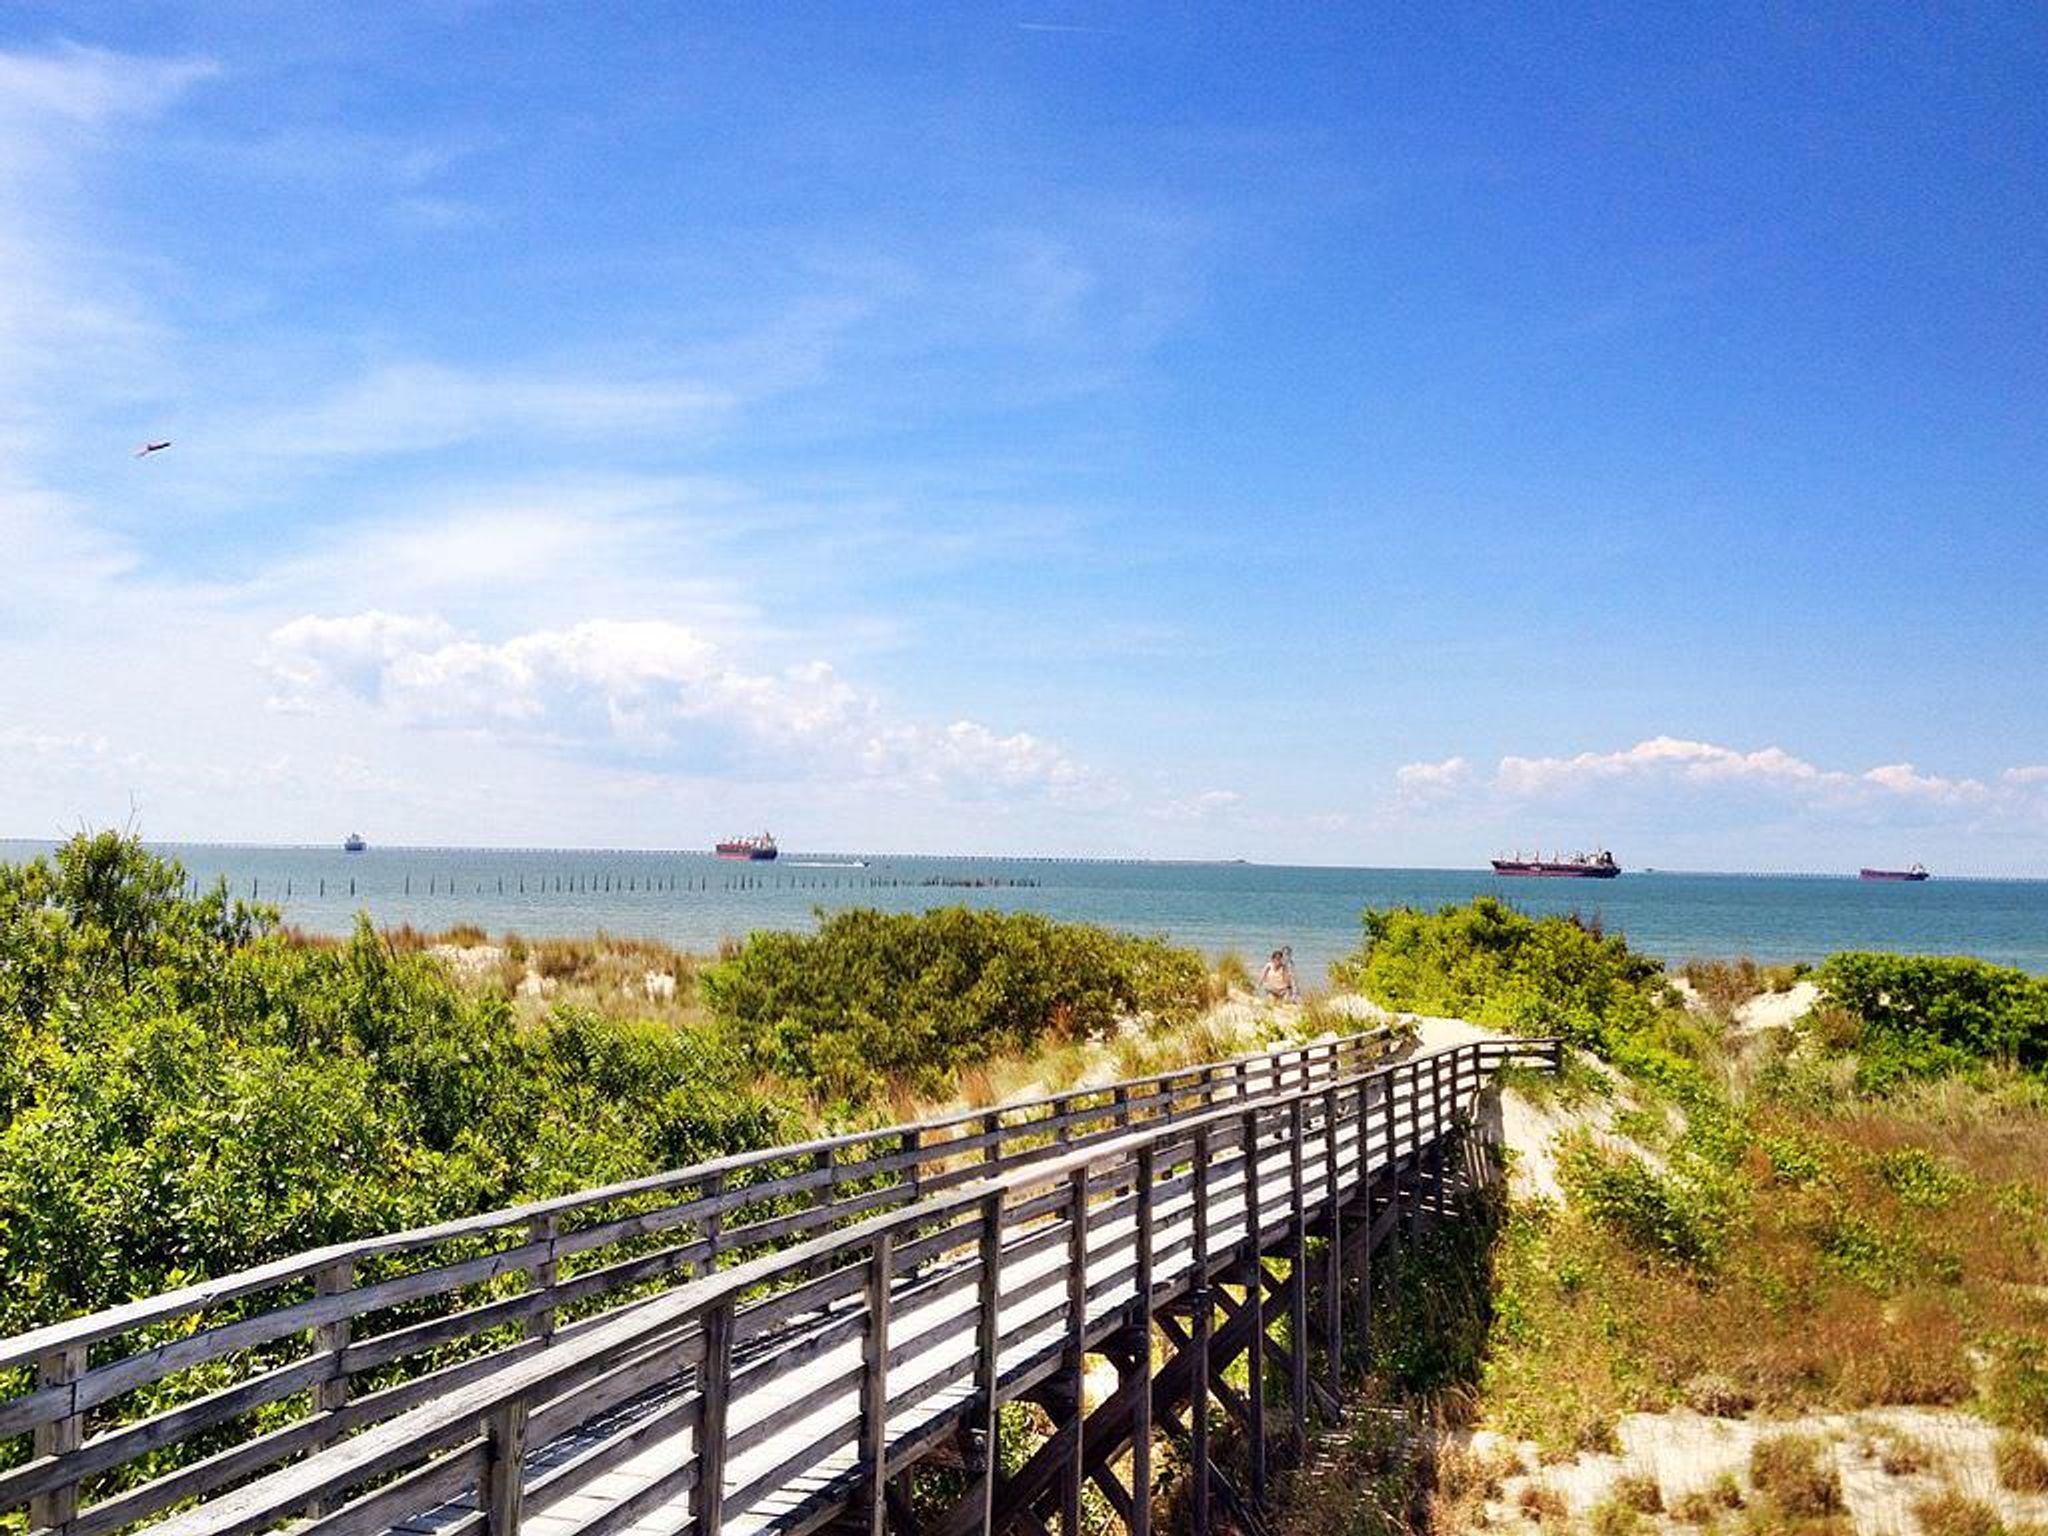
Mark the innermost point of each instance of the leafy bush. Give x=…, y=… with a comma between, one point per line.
x=1927, y=1015
x=1487, y=962
x=186, y=1090
x=874, y=997
x=1680, y=1219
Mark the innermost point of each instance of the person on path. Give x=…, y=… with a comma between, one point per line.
x=1277, y=979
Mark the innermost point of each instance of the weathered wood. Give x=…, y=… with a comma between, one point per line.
x=988, y=1334
x=1071, y=1514
x=1154, y=1175
x=874, y=1393
x=540, y=1274
x=1297, y=1271
x=714, y=1378
x=504, y=1485
x=1333, y=1252
x=59, y=1438
x=1201, y=1314
x=1141, y=1324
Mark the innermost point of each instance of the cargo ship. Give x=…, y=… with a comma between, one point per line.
x=759, y=849
x=1580, y=866
x=1916, y=872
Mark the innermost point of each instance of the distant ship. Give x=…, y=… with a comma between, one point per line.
x=1580, y=866
x=1916, y=872
x=756, y=848
x=353, y=843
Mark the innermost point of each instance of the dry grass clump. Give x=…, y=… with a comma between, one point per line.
x=1796, y=1475
x=1229, y=975
x=1716, y=1397
x=1725, y=985
x=1704, y=1506
x=1638, y=1491
x=1950, y=1513
x=1540, y=1501
x=2022, y=1465
x=1900, y=1452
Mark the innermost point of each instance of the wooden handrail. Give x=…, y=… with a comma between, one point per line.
x=331, y=1289
x=96, y=1327
x=693, y=1326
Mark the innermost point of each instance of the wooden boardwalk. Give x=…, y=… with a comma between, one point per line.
x=768, y=1344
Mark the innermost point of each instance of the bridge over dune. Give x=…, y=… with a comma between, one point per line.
x=771, y=1343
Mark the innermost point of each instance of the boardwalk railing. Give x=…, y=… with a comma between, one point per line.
x=788, y=1387
x=133, y=1410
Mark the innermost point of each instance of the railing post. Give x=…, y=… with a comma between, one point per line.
x=713, y=1189
x=714, y=1387
x=1198, y=1341
x=1333, y=1253
x=1255, y=1299
x=874, y=1387
x=58, y=1437
x=1297, y=1265
x=332, y=1338
x=992, y=1134
x=504, y=1480
x=1438, y=1123
x=1141, y=1408
x=1396, y=1154
x=1077, y=1349
x=913, y=1173
x=988, y=1348
x=540, y=1275
x=1364, y=1323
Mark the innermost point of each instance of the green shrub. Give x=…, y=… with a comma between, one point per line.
x=1918, y=1178
x=1664, y=1214
x=1925, y=1015
x=877, y=998
x=1487, y=962
x=189, y=1091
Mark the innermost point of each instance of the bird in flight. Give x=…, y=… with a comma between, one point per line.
x=148, y=448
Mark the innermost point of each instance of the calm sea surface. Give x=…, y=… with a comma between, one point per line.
x=694, y=900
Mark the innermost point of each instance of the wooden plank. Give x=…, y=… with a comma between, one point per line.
x=504, y=1485
x=1297, y=1273
x=875, y=1386
x=1141, y=1416
x=987, y=1346
x=1071, y=1514
x=1165, y=1216
x=707, y=1498
x=57, y=1438
x=1201, y=1315
x=430, y=1486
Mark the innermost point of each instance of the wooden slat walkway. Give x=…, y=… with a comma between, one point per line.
x=781, y=1390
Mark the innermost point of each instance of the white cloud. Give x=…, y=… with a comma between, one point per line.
x=89, y=86
x=1699, y=762
x=418, y=406
x=1431, y=781
x=1905, y=780
x=653, y=690
x=1657, y=774
x=1203, y=806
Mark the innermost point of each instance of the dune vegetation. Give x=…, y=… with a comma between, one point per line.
x=188, y=1088
x=1848, y=1214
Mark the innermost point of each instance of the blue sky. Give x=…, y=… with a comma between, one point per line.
x=1305, y=432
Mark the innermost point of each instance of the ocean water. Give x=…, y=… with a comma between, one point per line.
x=693, y=900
